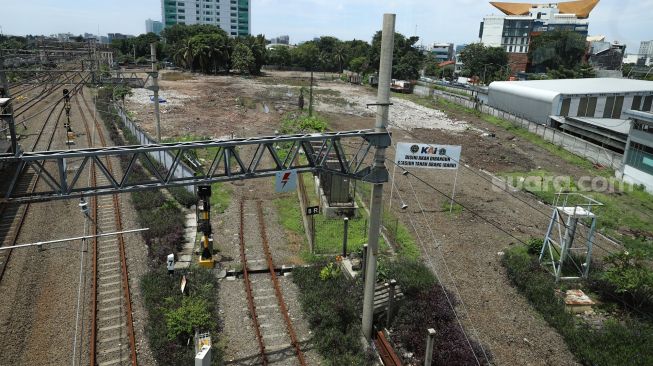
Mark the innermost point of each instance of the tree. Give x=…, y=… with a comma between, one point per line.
x=257, y=47
x=280, y=56
x=358, y=64
x=407, y=58
x=306, y=55
x=488, y=63
x=557, y=50
x=242, y=58
x=339, y=56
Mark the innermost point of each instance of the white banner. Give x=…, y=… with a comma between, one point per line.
x=431, y=156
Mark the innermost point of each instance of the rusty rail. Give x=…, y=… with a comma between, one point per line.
x=277, y=287
x=121, y=245
x=248, y=287
x=387, y=353
x=32, y=187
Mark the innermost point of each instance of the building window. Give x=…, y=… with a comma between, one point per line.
x=510, y=49
x=618, y=106
x=609, y=105
x=637, y=101
x=648, y=101
x=582, y=107
x=564, y=110
x=640, y=157
x=591, y=107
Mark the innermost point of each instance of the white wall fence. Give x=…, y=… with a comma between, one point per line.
x=573, y=144
x=165, y=158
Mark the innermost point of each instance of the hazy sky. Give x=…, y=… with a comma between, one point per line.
x=454, y=21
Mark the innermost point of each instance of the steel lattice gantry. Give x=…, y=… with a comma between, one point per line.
x=65, y=172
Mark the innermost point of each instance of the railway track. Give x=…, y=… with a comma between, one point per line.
x=12, y=217
x=276, y=338
x=112, y=333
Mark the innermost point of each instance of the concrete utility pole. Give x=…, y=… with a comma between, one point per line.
x=155, y=89
x=382, y=111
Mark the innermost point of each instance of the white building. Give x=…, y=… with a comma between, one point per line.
x=594, y=109
x=638, y=157
x=646, y=49
x=232, y=16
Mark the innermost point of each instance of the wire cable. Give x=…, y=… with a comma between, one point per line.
x=438, y=248
x=435, y=271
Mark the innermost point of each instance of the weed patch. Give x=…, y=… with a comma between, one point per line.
x=616, y=342
x=173, y=318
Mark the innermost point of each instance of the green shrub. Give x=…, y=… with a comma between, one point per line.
x=333, y=308
x=625, y=342
x=181, y=195
x=192, y=315
x=173, y=317
x=629, y=278
x=535, y=246
x=411, y=274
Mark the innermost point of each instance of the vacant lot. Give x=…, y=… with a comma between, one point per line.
x=463, y=249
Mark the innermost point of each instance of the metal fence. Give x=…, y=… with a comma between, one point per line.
x=164, y=158
x=573, y=144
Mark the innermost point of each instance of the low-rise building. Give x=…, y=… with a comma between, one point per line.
x=593, y=109
x=638, y=157
x=442, y=51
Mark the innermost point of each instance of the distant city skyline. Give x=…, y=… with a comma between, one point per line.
x=456, y=21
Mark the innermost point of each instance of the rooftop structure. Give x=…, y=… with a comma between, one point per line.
x=580, y=8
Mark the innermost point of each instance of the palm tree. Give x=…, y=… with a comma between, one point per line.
x=187, y=54
x=339, y=56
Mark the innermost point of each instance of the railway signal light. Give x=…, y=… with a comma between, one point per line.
x=204, y=224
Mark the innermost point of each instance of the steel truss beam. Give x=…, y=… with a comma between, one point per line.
x=226, y=160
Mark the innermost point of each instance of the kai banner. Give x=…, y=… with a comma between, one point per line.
x=432, y=156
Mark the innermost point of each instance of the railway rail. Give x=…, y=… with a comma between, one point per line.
x=112, y=333
x=12, y=217
x=268, y=312
x=386, y=352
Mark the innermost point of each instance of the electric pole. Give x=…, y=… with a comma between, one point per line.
x=382, y=112
x=310, y=96
x=155, y=89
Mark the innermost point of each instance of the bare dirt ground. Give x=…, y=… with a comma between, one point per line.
x=464, y=250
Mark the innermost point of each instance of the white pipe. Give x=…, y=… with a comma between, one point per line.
x=73, y=239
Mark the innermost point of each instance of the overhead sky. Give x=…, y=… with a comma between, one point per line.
x=454, y=21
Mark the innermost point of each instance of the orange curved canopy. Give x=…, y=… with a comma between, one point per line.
x=581, y=8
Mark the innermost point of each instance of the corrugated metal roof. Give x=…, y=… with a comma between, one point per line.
x=578, y=86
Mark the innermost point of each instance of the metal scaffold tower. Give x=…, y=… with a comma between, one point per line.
x=558, y=248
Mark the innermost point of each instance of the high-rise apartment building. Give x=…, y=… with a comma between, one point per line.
x=646, y=49
x=233, y=16
x=153, y=26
